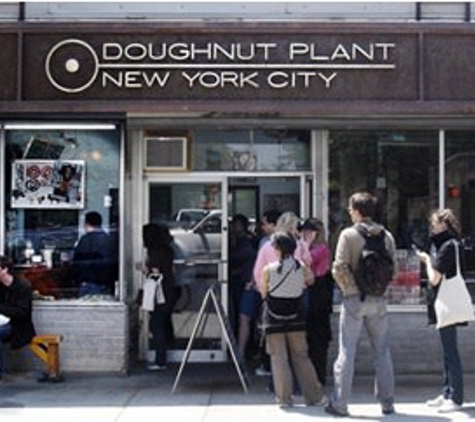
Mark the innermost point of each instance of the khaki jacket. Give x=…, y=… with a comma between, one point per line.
x=348, y=249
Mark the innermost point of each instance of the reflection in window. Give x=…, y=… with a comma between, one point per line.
x=401, y=169
x=42, y=229
x=251, y=150
x=460, y=187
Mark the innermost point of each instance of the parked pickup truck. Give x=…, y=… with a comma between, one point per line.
x=197, y=246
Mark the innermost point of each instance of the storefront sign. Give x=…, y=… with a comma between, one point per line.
x=137, y=65
x=200, y=66
x=300, y=64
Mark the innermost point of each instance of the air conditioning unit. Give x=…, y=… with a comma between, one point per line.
x=166, y=153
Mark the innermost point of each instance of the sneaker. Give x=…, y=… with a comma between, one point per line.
x=449, y=406
x=262, y=372
x=322, y=402
x=284, y=404
x=335, y=412
x=437, y=402
x=388, y=409
x=155, y=367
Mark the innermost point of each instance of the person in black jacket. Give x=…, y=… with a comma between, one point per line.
x=445, y=238
x=16, y=305
x=158, y=241
x=93, y=260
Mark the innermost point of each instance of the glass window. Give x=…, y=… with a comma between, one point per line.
x=460, y=187
x=52, y=179
x=193, y=213
x=401, y=169
x=251, y=150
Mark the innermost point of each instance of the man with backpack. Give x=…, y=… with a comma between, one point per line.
x=362, y=267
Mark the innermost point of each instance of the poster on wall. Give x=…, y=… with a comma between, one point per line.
x=53, y=184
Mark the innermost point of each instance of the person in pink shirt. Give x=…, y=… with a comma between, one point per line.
x=320, y=296
x=287, y=222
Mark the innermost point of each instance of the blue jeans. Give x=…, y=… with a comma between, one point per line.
x=372, y=314
x=5, y=331
x=453, y=374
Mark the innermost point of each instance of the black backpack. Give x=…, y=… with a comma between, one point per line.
x=375, y=265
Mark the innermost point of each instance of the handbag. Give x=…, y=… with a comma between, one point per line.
x=453, y=304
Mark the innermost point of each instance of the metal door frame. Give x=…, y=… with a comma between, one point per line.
x=306, y=191
x=204, y=355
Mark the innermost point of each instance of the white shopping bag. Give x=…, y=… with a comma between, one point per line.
x=4, y=320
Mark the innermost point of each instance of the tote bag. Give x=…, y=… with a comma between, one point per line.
x=453, y=303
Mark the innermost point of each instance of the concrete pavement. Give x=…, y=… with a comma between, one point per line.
x=205, y=393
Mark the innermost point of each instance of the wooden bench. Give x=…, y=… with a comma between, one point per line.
x=46, y=347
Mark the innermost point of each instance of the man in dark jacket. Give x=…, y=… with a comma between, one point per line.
x=15, y=305
x=93, y=261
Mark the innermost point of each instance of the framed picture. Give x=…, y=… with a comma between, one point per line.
x=51, y=184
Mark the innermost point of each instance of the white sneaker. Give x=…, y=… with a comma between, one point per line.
x=262, y=372
x=155, y=367
x=437, y=402
x=449, y=406
x=322, y=402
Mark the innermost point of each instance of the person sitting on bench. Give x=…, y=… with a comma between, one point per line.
x=16, y=325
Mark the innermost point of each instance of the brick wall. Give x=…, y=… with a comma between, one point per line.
x=95, y=337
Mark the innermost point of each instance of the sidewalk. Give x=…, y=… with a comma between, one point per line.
x=205, y=393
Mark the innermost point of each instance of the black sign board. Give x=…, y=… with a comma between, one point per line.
x=225, y=66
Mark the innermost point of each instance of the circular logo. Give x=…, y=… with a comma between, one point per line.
x=72, y=66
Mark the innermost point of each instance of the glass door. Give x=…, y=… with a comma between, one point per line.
x=193, y=209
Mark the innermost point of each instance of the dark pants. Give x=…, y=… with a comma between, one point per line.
x=453, y=375
x=319, y=335
x=5, y=331
x=159, y=320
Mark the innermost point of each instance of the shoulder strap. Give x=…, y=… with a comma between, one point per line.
x=457, y=256
x=363, y=231
x=282, y=280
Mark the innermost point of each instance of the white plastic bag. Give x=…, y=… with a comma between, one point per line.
x=152, y=292
x=4, y=320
